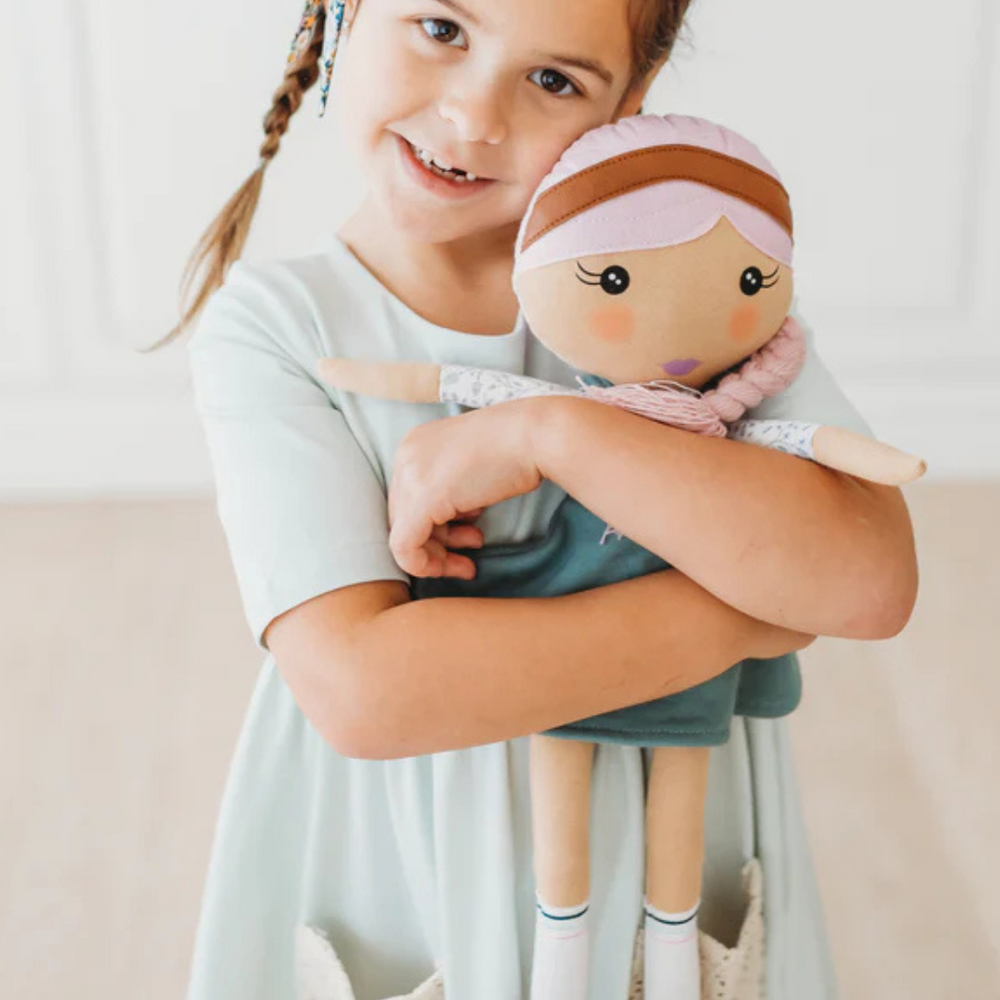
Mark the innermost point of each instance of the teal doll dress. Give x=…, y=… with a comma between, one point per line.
x=579, y=552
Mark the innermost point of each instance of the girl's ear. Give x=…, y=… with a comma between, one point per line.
x=630, y=104
x=631, y=101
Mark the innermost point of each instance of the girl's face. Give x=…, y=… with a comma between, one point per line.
x=495, y=89
x=684, y=313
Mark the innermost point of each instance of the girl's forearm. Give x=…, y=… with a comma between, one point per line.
x=445, y=673
x=782, y=539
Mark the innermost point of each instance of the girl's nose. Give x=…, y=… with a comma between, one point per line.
x=476, y=116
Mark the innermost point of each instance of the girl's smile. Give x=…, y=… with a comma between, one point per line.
x=433, y=181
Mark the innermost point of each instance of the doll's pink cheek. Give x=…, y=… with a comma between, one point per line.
x=614, y=322
x=743, y=322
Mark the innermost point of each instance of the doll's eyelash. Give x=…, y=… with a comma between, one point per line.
x=767, y=278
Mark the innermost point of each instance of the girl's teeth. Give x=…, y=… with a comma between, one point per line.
x=427, y=159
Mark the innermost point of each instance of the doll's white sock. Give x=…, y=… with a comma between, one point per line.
x=559, y=970
x=670, y=965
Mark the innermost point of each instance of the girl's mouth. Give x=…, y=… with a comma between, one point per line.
x=444, y=180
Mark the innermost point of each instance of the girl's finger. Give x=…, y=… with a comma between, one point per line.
x=460, y=567
x=408, y=536
x=433, y=560
x=458, y=536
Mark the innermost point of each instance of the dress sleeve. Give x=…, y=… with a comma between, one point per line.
x=814, y=396
x=301, y=506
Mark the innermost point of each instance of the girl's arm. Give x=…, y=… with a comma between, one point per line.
x=780, y=538
x=381, y=677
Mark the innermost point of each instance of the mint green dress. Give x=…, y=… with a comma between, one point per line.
x=421, y=863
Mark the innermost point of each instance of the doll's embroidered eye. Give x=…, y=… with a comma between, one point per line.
x=613, y=280
x=752, y=280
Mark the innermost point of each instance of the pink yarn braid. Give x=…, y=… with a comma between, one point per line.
x=765, y=373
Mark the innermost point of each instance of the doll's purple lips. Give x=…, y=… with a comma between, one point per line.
x=681, y=366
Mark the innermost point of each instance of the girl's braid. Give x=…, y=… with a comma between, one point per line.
x=300, y=75
x=222, y=242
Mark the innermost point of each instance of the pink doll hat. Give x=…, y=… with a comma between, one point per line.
x=658, y=214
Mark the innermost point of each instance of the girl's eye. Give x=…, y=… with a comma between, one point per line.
x=613, y=280
x=441, y=30
x=553, y=82
x=752, y=280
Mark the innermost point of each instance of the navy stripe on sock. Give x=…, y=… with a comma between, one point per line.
x=570, y=916
x=672, y=923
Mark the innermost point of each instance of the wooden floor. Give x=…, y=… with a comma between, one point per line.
x=127, y=667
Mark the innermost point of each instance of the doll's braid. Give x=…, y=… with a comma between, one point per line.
x=222, y=242
x=765, y=373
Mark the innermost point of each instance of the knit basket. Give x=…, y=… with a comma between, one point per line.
x=726, y=973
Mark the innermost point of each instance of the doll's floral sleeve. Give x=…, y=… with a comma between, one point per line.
x=479, y=387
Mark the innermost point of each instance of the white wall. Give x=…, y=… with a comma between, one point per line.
x=884, y=121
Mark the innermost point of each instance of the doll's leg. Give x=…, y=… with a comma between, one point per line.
x=675, y=851
x=560, y=809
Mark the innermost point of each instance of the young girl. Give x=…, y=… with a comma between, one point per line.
x=379, y=790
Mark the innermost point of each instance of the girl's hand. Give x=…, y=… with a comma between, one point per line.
x=448, y=471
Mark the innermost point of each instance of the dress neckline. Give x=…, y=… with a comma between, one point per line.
x=347, y=254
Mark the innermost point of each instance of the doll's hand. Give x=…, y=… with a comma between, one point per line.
x=461, y=463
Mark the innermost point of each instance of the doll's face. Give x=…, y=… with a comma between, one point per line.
x=684, y=313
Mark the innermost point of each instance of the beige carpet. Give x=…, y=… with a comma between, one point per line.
x=127, y=668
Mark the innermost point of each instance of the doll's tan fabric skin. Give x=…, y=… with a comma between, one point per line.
x=689, y=305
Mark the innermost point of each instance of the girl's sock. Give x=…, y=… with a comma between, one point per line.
x=670, y=965
x=562, y=949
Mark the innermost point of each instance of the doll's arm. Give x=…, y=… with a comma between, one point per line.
x=408, y=382
x=834, y=447
x=431, y=383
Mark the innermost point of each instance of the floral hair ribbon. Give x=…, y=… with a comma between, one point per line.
x=306, y=34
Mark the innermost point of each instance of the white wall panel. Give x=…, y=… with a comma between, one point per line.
x=25, y=306
x=883, y=120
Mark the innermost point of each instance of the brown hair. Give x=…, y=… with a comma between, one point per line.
x=654, y=28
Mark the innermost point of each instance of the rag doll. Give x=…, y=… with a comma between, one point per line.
x=657, y=246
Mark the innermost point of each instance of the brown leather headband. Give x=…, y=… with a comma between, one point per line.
x=652, y=165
